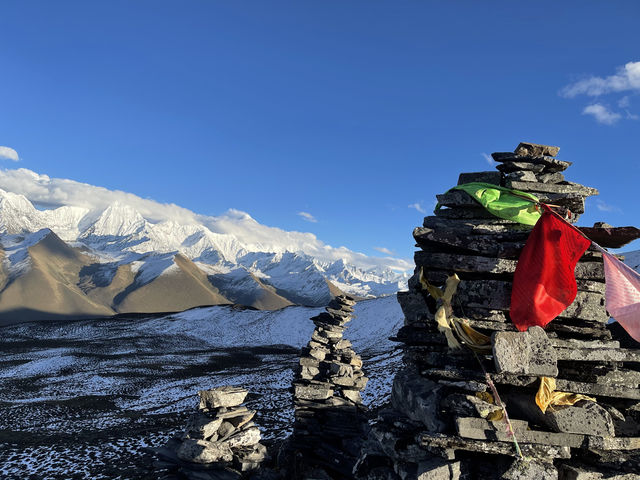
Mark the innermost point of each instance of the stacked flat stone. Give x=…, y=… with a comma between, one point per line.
x=330, y=420
x=445, y=423
x=220, y=442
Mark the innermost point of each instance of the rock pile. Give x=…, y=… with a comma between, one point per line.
x=220, y=441
x=446, y=421
x=330, y=420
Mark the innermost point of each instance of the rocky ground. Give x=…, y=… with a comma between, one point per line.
x=84, y=399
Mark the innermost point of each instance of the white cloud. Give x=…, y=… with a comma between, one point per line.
x=605, y=207
x=8, y=153
x=55, y=192
x=418, y=207
x=602, y=114
x=488, y=158
x=384, y=250
x=626, y=79
x=625, y=103
x=308, y=217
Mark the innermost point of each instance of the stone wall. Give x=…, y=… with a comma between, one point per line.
x=446, y=422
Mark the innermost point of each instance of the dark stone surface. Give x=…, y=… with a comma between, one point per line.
x=529, y=353
x=492, y=177
x=564, y=188
x=418, y=398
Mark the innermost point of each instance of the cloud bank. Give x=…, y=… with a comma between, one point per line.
x=418, y=207
x=55, y=192
x=8, y=153
x=625, y=80
x=601, y=113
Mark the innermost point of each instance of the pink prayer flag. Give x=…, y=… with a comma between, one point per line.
x=622, y=294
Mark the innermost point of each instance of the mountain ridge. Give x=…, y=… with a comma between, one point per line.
x=119, y=255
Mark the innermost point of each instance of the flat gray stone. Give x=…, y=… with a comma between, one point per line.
x=309, y=373
x=250, y=458
x=317, y=352
x=227, y=396
x=531, y=470
x=418, y=398
x=555, y=177
x=480, y=429
x=244, y=438
x=597, y=389
x=341, y=369
x=601, y=354
x=414, y=308
x=226, y=430
x=342, y=344
x=561, y=188
x=309, y=362
x=492, y=177
x=514, y=166
x=570, y=472
x=528, y=353
x=438, y=469
x=317, y=337
x=203, y=452
x=469, y=405
x=202, y=427
x=496, y=295
x=521, y=176
x=586, y=417
x=239, y=418
x=451, y=443
x=313, y=391
x=352, y=395
x=536, y=150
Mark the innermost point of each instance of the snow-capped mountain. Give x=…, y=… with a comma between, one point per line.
x=116, y=259
x=633, y=259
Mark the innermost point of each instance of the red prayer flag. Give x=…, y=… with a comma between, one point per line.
x=544, y=284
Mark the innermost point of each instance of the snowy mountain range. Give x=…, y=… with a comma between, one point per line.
x=100, y=261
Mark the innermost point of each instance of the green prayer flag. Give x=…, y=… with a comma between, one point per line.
x=503, y=202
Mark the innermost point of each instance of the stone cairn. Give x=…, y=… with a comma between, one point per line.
x=446, y=421
x=330, y=420
x=220, y=441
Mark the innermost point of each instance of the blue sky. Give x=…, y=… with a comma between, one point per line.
x=350, y=111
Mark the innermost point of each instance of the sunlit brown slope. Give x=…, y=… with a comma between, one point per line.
x=48, y=289
x=184, y=287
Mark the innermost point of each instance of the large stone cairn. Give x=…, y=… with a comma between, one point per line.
x=330, y=420
x=220, y=442
x=445, y=422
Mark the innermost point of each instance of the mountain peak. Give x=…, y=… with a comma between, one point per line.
x=117, y=220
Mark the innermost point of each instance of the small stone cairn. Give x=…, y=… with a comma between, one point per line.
x=220, y=441
x=446, y=422
x=330, y=420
